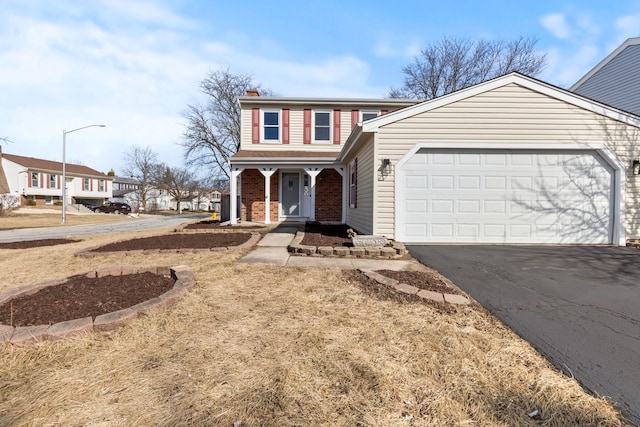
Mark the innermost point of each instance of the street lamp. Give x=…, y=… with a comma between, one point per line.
x=64, y=168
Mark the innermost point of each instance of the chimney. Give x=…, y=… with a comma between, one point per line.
x=253, y=92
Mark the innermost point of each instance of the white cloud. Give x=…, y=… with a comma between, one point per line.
x=557, y=25
x=627, y=26
x=388, y=48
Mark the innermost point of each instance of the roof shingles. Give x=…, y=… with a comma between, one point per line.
x=48, y=165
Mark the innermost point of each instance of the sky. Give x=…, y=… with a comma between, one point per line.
x=135, y=65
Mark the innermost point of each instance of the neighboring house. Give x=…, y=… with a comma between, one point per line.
x=615, y=80
x=40, y=181
x=510, y=160
x=125, y=190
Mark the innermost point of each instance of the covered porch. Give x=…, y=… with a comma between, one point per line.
x=298, y=187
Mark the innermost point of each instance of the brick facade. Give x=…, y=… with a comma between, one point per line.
x=328, y=196
x=253, y=196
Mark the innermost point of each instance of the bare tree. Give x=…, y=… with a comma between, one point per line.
x=212, y=131
x=179, y=183
x=457, y=63
x=141, y=164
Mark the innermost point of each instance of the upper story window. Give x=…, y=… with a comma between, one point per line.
x=86, y=184
x=271, y=125
x=53, y=181
x=322, y=126
x=101, y=185
x=34, y=179
x=368, y=114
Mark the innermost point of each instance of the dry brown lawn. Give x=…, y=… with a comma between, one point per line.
x=272, y=346
x=53, y=219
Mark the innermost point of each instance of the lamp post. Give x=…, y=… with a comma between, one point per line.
x=64, y=168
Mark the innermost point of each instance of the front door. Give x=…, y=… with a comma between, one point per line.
x=290, y=194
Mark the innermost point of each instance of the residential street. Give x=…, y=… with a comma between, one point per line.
x=146, y=222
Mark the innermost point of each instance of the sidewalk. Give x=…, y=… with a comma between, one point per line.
x=272, y=249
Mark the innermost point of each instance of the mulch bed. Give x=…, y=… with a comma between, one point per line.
x=316, y=234
x=81, y=297
x=419, y=279
x=26, y=244
x=215, y=225
x=178, y=241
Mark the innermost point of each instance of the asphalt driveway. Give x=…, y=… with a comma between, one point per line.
x=578, y=305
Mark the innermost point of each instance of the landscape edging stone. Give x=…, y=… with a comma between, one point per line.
x=25, y=335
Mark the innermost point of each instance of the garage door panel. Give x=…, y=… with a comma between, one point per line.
x=507, y=197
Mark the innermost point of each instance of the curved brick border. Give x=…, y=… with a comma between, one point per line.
x=412, y=290
x=24, y=335
x=397, y=250
x=88, y=252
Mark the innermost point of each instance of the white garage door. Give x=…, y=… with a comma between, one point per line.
x=510, y=196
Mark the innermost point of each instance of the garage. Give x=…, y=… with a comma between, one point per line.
x=554, y=196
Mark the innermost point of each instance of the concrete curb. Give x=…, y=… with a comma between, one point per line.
x=25, y=335
x=412, y=290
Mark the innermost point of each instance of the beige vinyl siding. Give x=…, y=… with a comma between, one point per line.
x=510, y=114
x=361, y=218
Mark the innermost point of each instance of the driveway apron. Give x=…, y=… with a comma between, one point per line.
x=577, y=305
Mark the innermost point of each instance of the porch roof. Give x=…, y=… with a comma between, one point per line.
x=291, y=157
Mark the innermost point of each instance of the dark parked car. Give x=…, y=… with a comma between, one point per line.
x=116, y=208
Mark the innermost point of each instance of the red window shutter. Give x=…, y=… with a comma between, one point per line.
x=285, y=126
x=83, y=185
x=255, y=126
x=58, y=182
x=336, y=126
x=90, y=185
x=41, y=180
x=47, y=180
x=355, y=115
x=307, y=126
x=355, y=198
x=383, y=112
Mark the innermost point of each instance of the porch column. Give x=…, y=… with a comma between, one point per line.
x=267, y=172
x=342, y=172
x=233, y=203
x=313, y=173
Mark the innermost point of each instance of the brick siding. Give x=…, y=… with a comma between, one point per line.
x=253, y=196
x=329, y=196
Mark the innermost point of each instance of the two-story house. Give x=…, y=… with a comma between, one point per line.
x=510, y=160
x=286, y=167
x=40, y=181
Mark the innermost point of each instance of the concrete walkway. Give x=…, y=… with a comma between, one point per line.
x=272, y=249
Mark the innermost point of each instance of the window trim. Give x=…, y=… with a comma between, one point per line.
x=86, y=184
x=263, y=125
x=378, y=113
x=102, y=185
x=53, y=181
x=35, y=179
x=314, y=140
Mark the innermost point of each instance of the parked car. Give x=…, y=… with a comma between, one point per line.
x=113, y=207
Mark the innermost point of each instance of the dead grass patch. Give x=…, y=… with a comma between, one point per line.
x=274, y=346
x=38, y=220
